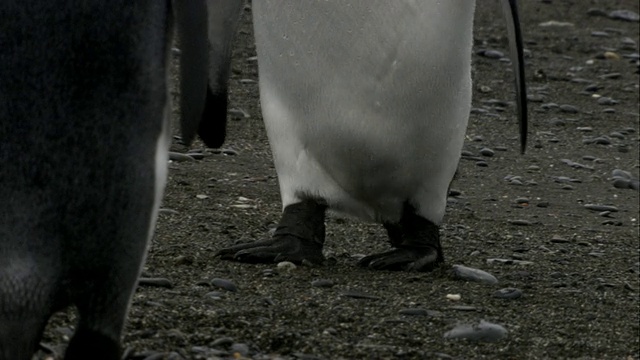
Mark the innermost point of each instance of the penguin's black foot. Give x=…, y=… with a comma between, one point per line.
x=298, y=238
x=407, y=259
x=417, y=243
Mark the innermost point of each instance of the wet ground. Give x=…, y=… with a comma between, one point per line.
x=549, y=223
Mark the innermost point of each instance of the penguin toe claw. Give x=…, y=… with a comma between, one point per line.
x=406, y=259
x=284, y=248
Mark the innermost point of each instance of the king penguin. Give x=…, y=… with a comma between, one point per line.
x=84, y=133
x=366, y=104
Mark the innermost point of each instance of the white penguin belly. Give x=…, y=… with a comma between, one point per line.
x=366, y=102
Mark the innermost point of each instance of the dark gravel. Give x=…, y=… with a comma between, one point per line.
x=561, y=240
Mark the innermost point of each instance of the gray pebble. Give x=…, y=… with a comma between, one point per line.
x=417, y=312
x=625, y=15
x=519, y=222
x=222, y=342
x=359, y=295
x=482, y=164
x=596, y=12
x=484, y=331
x=179, y=157
x=491, y=54
x=155, y=282
x=621, y=174
x=558, y=239
x=620, y=183
x=508, y=293
x=224, y=284
x=229, y=152
x=323, y=283
x=487, y=152
x=240, y=349
x=568, y=109
x=509, y=261
x=600, y=34
x=471, y=274
x=214, y=296
x=606, y=101
x=611, y=76
x=463, y=308
x=600, y=208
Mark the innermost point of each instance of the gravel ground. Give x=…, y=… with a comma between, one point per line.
x=550, y=225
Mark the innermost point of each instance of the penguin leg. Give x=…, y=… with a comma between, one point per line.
x=417, y=243
x=298, y=238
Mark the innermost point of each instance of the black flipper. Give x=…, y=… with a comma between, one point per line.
x=298, y=238
x=191, y=24
x=510, y=8
x=223, y=20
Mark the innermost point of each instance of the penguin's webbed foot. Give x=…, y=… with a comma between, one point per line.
x=298, y=238
x=284, y=248
x=407, y=259
x=417, y=243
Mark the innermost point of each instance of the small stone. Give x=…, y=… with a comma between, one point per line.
x=202, y=196
x=596, y=12
x=454, y=297
x=471, y=274
x=416, y=312
x=508, y=293
x=155, y=282
x=286, y=266
x=519, y=222
x=463, y=308
x=557, y=239
x=569, y=109
x=224, y=284
x=359, y=295
x=322, y=283
x=486, y=152
x=625, y=15
x=491, y=54
x=239, y=349
x=606, y=101
x=600, y=34
x=179, y=157
x=484, y=331
x=600, y=208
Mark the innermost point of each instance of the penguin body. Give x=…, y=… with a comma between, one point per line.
x=366, y=104
x=362, y=109
x=84, y=137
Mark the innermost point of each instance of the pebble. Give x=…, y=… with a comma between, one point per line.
x=509, y=261
x=239, y=349
x=286, y=266
x=214, y=295
x=224, y=284
x=600, y=34
x=508, y=293
x=487, y=152
x=155, y=282
x=484, y=331
x=600, y=208
x=359, y=295
x=463, y=308
x=471, y=274
x=607, y=101
x=625, y=15
x=322, y=283
x=454, y=297
x=575, y=164
x=519, y=222
x=557, y=239
x=569, y=109
x=491, y=54
x=417, y=312
x=179, y=157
